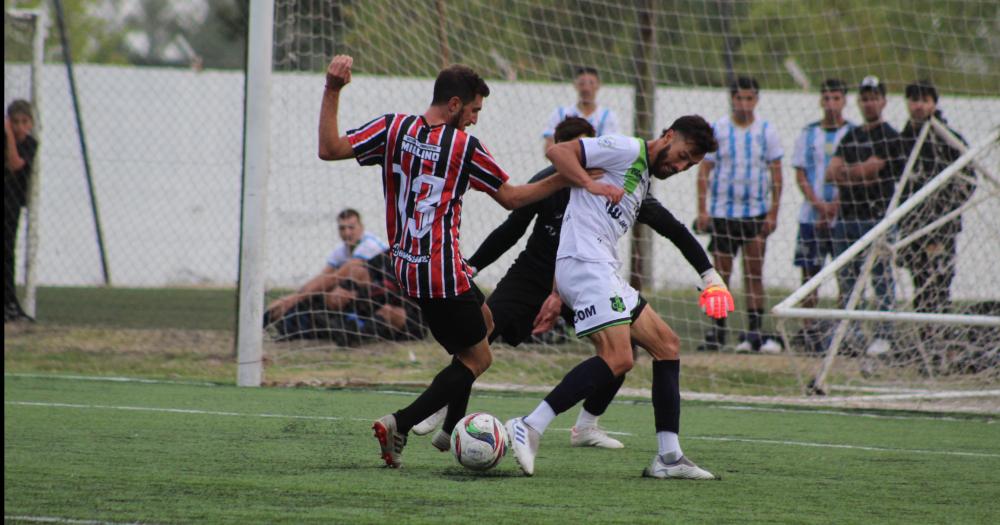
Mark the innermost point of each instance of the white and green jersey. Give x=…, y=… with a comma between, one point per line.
x=592, y=225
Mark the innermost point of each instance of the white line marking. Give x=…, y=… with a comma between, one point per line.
x=109, y=379
x=49, y=519
x=850, y=447
x=366, y=420
x=807, y=411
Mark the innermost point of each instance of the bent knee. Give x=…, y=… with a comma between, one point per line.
x=621, y=364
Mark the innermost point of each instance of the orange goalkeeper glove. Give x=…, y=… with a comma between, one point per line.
x=715, y=299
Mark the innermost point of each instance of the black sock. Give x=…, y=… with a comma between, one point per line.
x=755, y=319
x=446, y=383
x=667, y=396
x=459, y=402
x=579, y=383
x=598, y=402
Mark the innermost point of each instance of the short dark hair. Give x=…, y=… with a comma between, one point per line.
x=586, y=70
x=739, y=83
x=920, y=89
x=833, y=84
x=697, y=131
x=572, y=127
x=20, y=107
x=347, y=213
x=458, y=81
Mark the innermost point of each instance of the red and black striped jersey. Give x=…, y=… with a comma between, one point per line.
x=425, y=172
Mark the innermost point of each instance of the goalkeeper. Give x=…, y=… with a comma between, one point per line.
x=521, y=292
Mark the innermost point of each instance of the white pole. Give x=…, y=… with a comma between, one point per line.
x=34, y=201
x=906, y=317
x=256, y=165
x=886, y=223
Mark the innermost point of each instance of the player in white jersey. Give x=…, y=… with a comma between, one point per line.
x=587, y=83
x=605, y=307
x=743, y=182
x=814, y=149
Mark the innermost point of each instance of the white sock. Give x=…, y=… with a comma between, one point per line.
x=670, y=446
x=586, y=419
x=541, y=417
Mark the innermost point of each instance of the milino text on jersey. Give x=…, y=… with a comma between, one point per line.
x=424, y=151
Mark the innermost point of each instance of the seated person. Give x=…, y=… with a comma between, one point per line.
x=354, y=298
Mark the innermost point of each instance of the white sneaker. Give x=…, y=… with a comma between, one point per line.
x=441, y=441
x=524, y=440
x=390, y=441
x=878, y=347
x=428, y=425
x=592, y=437
x=770, y=346
x=680, y=469
x=744, y=346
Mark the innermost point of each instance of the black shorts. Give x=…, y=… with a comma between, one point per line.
x=515, y=303
x=728, y=235
x=455, y=322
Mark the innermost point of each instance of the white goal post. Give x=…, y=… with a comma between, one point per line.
x=38, y=22
x=787, y=308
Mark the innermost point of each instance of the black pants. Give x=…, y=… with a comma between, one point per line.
x=932, y=263
x=11, y=220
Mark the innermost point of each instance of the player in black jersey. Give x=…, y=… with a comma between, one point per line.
x=520, y=293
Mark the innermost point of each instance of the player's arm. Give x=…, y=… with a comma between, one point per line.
x=333, y=145
x=847, y=174
x=565, y=157
x=704, y=169
x=653, y=214
x=826, y=210
x=12, y=159
x=548, y=313
x=512, y=196
x=771, y=221
x=503, y=237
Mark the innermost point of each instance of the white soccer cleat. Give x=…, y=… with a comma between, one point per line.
x=878, y=347
x=744, y=347
x=592, y=437
x=524, y=440
x=428, y=425
x=390, y=441
x=442, y=441
x=771, y=346
x=680, y=469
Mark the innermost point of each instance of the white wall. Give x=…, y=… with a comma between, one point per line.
x=166, y=146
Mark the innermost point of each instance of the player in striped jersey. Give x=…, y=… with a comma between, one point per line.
x=428, y=163
x=742, y=181
x=587, y=84
x=814, y=149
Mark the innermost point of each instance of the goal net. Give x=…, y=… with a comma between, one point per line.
x=657, y=61
x=24, y=36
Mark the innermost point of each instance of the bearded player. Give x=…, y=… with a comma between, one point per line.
x=606, y=309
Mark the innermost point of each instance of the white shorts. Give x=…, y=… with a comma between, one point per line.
x=598, y=296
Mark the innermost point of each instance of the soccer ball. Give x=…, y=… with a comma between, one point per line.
x=479, y=441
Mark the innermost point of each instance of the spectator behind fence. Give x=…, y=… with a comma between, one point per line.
x=18, y=156
x=587, y=84
x=813, y=151
x=742, y=181
x=931, y=258
x=865, y=169
x=355, y=297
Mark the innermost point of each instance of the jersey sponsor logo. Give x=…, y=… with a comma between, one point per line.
x=409, y=257
x=613, y=210
x=580, y=315
x=605, y=142
x=424, y=151
x=617, y=304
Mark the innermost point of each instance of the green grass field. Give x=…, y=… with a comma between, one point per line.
x=110, y=451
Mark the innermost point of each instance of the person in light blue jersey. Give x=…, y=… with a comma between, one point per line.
x=739, y=187
x=587, y=83
x=814, y=149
